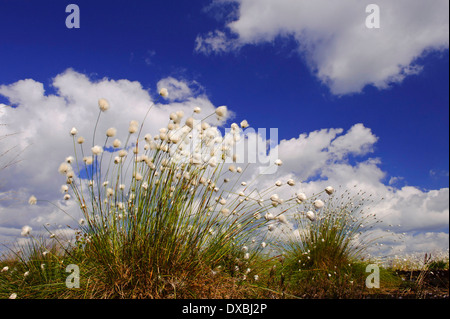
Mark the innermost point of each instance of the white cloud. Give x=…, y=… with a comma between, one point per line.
x=333, y=39
x=179, y=90
x=342, y=159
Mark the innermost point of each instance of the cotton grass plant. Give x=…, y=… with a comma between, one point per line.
x=327, y=249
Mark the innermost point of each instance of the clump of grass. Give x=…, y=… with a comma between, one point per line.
x=324, y=258
x=162, y=214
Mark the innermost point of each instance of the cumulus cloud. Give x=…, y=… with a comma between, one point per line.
x=344, y=160
x=333, y=39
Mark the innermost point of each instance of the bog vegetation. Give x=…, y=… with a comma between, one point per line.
x=169, y=216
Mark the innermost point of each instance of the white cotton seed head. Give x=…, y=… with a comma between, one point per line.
x=116, y=143
x=26, y=230
x=103, y=105
x=244, y=124
x=73, y=131
x=311, y=216
x=97, y=150
x=278, y=162
x=282, y=219
x=221, y=111
x=275, y=198
x=64, y=168
x=164, y=93
x=301, y=197
x=88, y=160
x=70, y=159
x=291, y=182
x=190, y=122
x=197, y=110
x=173, y=117
x=329, y=190
x=123, y=153
x=269, y=216
x=318, y=204
x=80, y=140
x=32, y=200
x=132, y=129
x=111, y=132
x=212, y=161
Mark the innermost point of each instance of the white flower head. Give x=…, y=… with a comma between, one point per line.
x=32, y=200
x=4, y=269
x=13, y=296
x=80, y=140
x=282, y=219
x=275, y=198
x=190, y=122
x=329, y=190
x=26, y=230
x=311, y=216
x=197, y=110
x=221, y=111
x=164, y=93
x=291, y=182
x=64, y=168
x=318, y=204
x=103, y=105
x=301, y=197
x=97, y=150
x=278, y=162
x=212, y=161
x=116, y=143
x=244, y=124
x=133, y=127
x=88, y=160
x=73, y=131
x=111, y=132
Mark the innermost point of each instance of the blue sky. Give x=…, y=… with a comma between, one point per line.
x=265, y=77
x=145, y=41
